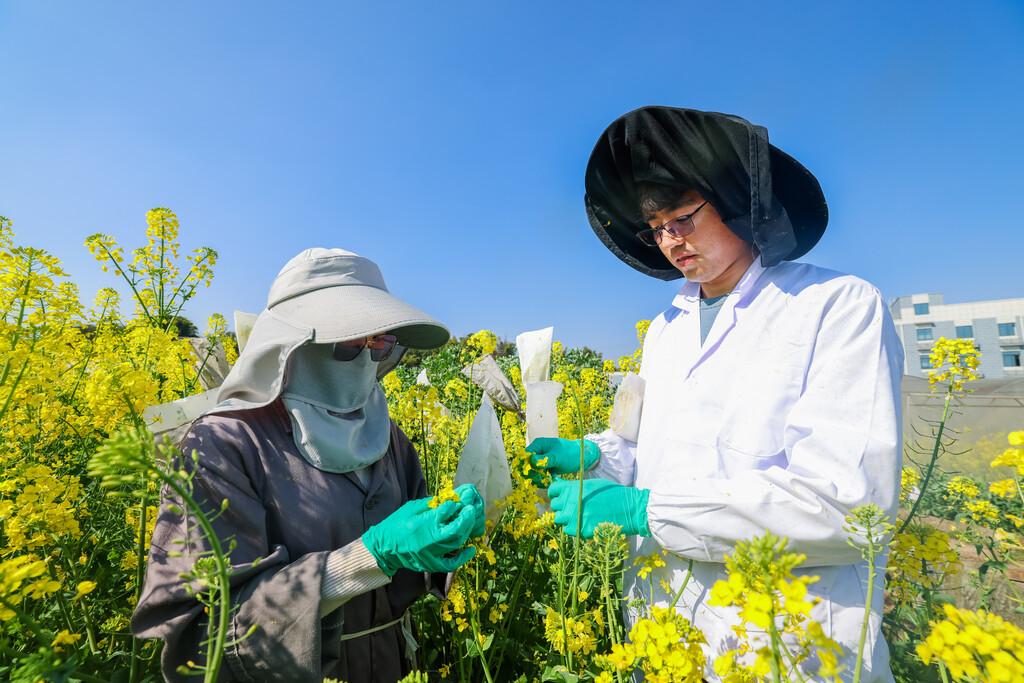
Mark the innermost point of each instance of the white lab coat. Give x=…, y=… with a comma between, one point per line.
x=785, y=419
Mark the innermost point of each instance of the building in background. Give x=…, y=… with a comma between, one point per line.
x=995, y=326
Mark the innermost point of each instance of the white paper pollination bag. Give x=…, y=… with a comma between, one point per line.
x=628, y=406
x=483, y=461
x=243, y=327
x=486, y=374
x=541, y=393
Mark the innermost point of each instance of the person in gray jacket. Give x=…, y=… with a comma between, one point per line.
x=333, y=535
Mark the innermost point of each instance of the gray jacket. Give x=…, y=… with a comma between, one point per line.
x=289, y=515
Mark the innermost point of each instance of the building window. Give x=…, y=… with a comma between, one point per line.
x=924, y=334
x=1007, y=329
x=926, y=362
x=1011, y=359
x=920, y=309
x=964, y=331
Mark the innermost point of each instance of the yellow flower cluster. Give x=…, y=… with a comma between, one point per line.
x=761, y=583
x=1004, y=488
x=648, y=563
x=954, y=361
x=23, y=577
x=482, y=343
x=586, y=398
x=69, y=376
x=975, y=646
x=920, y=558
x=909, y=479
x=665, y=647
x=632, y=362
x=447, y=493
x=65, y=637
x=983, y=512
x=962, y=486
x=572, y=634
x=42, y=509
x=1013, y=456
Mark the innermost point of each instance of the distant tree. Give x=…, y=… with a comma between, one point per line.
x=185, y=327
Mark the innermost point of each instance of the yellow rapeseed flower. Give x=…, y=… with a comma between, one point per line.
x=975, y=646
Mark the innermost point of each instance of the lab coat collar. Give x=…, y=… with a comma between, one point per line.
x=688, y=303
x=688, y=298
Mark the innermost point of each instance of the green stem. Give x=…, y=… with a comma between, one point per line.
x=66, y=611
x=131, y=283
x=14, y=387
x=679, y=593
x=776, y=646
x=859, y=666
x=16, y=335
x=500, y=636
x=140, y=568
x=474, y=624
x=177, y=288
x=931, y=462
x=202, y=366
x=578, y=540
x=160, y=275
x=184, y=299
x=566, y=656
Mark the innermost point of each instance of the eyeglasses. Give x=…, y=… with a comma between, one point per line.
x=380, y=345
x=679, y=227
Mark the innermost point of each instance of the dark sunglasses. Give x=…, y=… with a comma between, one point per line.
x=679, y=227
x=380, y=345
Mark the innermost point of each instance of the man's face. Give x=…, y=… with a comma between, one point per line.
x=712, y=254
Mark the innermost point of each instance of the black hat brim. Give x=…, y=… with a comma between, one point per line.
x=794, y=187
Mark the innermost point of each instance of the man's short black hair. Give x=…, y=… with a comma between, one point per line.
x=655, y=197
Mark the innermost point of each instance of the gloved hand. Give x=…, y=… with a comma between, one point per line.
x=563, y=455
x=603, y=501
x=471, y=497
x=419, y=537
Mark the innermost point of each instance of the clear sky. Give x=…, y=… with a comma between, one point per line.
x=447, y=140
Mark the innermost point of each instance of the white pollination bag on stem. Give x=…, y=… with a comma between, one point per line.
x=483, y=462
x=628, y=406
x=486, y=374
x=542, y=409
x=541, y=394
x=243, y=327
x=534, y=349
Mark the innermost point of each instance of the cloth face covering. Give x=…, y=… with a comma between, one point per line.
x=339, y=413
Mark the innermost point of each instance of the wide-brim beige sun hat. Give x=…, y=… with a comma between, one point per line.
x=341, y=295
x=321, y=296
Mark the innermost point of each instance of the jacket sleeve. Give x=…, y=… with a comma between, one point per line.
x=843, y=449
x=618, y=458
x=271, y=590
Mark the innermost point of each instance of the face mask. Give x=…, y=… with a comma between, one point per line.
x=338, y=411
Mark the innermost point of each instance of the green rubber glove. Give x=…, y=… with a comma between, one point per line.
x=471, y=497
x=419, y=537
x=563, y=455
x=603, y=501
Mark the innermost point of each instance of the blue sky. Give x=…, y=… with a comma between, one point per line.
x=447, y=141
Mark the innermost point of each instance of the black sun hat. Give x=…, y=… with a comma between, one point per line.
x=760, y=192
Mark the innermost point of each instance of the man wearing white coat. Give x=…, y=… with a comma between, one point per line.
x=772, y=387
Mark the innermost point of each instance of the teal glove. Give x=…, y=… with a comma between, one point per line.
x=603, y=501
x=563, y=455
x=419, y=537
x=471, y=497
